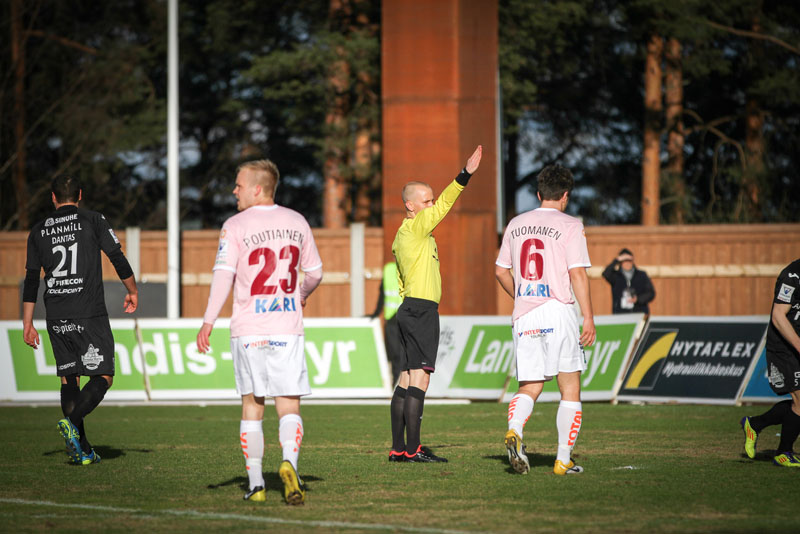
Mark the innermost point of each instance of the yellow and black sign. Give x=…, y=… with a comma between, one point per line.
x=687, y=359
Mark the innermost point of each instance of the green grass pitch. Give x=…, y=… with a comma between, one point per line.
x=659, y=468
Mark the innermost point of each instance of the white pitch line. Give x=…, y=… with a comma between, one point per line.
x=238, y=517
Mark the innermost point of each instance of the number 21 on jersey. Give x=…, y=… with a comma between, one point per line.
x=65, y=253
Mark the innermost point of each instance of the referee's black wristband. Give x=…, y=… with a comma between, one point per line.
x=463, y=177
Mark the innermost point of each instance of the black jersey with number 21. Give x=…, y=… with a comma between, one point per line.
x=67, y=245
x=787, y=291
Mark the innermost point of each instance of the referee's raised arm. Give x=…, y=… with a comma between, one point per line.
x=427, y=215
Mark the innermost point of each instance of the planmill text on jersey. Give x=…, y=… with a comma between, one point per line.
x=535, y=230
x=62, y=233
x=264, y=236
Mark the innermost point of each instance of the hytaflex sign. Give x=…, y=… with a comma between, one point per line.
x=694, y=359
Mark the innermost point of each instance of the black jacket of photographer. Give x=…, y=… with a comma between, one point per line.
x=640, y=283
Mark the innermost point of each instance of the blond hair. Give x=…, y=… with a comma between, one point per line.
x=265, y=174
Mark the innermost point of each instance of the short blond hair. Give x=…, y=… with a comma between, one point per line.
x=410, y=185
x=265, y=173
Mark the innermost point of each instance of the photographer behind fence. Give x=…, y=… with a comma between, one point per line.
x=631, y=288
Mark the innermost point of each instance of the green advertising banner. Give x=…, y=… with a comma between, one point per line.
x=605, y=359
x=474, y=357
x=486, y=360
x=345, y=358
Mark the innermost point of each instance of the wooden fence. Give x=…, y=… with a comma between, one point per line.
x=696, y=270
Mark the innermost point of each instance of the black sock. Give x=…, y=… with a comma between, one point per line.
x=415, y=401
x=70, y=393
x=773, y=416
x=789, y=431
x=398, y=420
x=91, y=395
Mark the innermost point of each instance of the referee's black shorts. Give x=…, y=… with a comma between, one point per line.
x=419, y=333
x=82, y=347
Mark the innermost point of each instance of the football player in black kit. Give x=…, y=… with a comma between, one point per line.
x=783, y=370
x=67, y=246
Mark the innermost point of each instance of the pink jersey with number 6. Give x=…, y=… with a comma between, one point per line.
x=541, y=246
x=266, y=246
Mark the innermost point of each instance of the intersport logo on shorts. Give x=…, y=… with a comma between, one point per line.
x=266, y=344
x=538, y=332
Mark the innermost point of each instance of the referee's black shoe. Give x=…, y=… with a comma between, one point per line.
x=425, y=455
x=395, y=456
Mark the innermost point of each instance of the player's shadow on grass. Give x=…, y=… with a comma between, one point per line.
x=536, y=460
x=105, y=452
x=271, y=482
x=761, y=456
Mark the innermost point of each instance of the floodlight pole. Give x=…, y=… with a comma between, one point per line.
x=173, y=171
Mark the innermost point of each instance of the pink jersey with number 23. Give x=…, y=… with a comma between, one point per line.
x=266, y=246
x=541, y=246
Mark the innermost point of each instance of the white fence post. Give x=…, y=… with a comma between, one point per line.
x=357, y=231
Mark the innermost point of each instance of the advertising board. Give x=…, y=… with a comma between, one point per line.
x=345, y=358
x=693, y=359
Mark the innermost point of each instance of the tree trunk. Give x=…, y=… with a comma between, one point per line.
x=673, y=82
x=18, y=61
x=362, y=163
x=334, y=204
x=651, y=164
x=754, y=149
x=754, y=139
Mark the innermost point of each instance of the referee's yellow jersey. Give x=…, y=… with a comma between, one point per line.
x=414, y=248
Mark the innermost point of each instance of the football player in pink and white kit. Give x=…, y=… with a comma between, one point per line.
x=261, y=250
x=546, y=250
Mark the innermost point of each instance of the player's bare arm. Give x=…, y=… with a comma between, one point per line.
x=203, y=335
x=29, y=333
x=505, y=278
x=580, y=285
x=779, y=312
x=131, y=301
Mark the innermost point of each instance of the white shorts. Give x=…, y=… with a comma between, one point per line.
x=547, y=342
x=270, y=366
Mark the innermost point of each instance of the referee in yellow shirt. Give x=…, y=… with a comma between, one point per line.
x=414, y=249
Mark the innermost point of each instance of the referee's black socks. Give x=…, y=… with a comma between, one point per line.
x=398, y=420
x=415, y=401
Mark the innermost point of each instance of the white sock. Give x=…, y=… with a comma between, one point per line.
x=519, y=411
x=568, y=422
x=290, y=434
x=251, y=436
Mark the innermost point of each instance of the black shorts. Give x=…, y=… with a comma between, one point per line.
x=82, y=346
x=783, y=369
x=419, y=333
